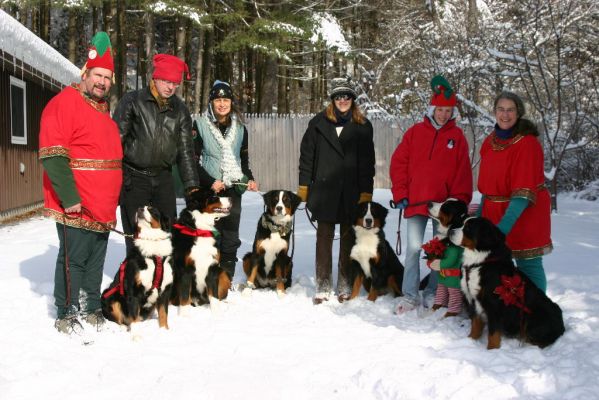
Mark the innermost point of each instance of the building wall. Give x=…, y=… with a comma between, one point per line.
x=20, y=170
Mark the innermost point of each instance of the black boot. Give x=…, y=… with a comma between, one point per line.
x=228, y=267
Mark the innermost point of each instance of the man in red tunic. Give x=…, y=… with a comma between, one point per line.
x=80, y=150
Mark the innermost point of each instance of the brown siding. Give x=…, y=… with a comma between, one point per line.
x=22, y=189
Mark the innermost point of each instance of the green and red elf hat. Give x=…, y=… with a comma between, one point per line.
x=443, y=94
x=99, y=53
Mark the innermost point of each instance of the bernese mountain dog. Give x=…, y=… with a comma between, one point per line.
x=373, y=262
x=198, y=278
x=268, y=265
x=144, y=280
x=450, y=214
x=498, y=295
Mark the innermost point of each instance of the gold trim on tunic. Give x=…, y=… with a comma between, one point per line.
x=528, y=194
x=53, y=151
x=532, y=253
x=87, y=164
x=497, y=146
x=78, y=222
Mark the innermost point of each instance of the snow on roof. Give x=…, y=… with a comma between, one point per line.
x=23, y=44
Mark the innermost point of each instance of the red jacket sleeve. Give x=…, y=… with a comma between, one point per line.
x=398, y=169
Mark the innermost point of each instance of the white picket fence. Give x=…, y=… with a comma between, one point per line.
x=274, y=146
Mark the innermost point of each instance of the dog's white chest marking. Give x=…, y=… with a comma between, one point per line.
x=470, y=282
x=367, y=242
x=272, y=246
x=204, y=255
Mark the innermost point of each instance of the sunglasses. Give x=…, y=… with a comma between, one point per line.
x=344, y=97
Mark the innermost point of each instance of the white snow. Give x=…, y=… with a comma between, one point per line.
x=328, y=29
x=26, y=46
x=265, y=347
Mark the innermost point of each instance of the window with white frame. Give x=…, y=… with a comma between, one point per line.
x=18, y=111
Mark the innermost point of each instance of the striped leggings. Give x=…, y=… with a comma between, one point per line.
x=449, y=297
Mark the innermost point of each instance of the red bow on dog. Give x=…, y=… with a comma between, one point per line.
x=511, y=291
x=193, y=232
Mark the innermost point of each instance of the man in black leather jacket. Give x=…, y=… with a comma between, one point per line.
x=155, y=127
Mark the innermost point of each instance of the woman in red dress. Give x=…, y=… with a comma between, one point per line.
x=512, y=183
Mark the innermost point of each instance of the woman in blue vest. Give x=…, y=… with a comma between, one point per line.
x=221, y=143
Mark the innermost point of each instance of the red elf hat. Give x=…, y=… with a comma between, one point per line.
x=99, y=53
x=443, y=94
x=169, y=68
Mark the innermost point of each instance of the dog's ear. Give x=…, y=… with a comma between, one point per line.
x=295, y=200
x=381, y=213
x=165, y=223
x=196, y=199
x=488, y=236
x=186, y=218
x=268, y=196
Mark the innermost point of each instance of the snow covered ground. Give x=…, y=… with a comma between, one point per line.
x=264, y=347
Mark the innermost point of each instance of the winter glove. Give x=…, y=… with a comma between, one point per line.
x=241, y=186
x=512, y=213
x=435, y=265
x=400, y=205
x=302, y=192
x=365, y=197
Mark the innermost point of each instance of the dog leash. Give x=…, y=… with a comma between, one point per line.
x=392, y=205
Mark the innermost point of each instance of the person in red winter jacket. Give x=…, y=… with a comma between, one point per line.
x=430, y=164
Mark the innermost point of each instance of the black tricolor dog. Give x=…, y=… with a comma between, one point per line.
x=144, y=280
x=268, y=265
x=498, y=294
x=198, y=278
x=373, y=262
x=450, y=214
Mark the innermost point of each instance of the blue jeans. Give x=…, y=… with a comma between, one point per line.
x=411, y=275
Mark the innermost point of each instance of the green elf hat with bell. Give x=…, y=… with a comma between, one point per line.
x=443, y=94
x=99, y=53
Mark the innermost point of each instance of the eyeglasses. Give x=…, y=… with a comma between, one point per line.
x=501, y=110
x=342, y=97
x=169, y=83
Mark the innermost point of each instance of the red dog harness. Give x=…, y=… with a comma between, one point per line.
x=158, y=273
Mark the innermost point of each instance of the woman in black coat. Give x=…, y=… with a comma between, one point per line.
x=336, y=172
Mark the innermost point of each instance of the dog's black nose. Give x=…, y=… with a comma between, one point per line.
x=368, y=222
x=279, y=209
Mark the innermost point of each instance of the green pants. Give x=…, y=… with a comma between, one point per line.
x=533, y=268
x=86, y=254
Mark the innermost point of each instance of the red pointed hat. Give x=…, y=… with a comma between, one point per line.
x=99, y=53
x=443, y=94
x=169, y=68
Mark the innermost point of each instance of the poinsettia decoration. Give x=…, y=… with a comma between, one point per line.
x=434, y=249
x=511, y=291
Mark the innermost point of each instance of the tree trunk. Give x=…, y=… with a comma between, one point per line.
x=207, y=67
x=45, y=21
x=282, y=101
x=110, y=20
x=73, y=35
x=199, y=70
x=180, y=33
x=148, y=53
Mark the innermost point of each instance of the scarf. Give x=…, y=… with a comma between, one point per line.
x=504, y=133
x=230, y=168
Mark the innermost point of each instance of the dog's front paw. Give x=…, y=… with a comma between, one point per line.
x=247, y=292
x=281, y=294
